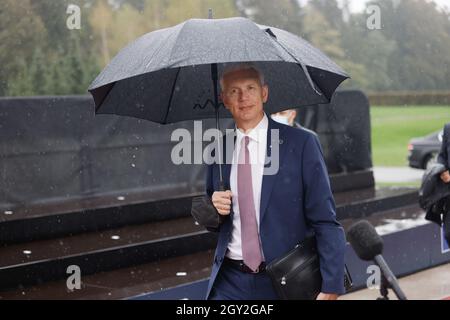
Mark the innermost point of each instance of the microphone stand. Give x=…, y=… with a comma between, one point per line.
x=384, y=285
x=388, y=279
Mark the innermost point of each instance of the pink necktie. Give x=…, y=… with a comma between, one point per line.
x=251, y=250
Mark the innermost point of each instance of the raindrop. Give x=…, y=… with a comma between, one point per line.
x=133, y=165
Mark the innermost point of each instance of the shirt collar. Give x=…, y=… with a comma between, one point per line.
x=257, y=133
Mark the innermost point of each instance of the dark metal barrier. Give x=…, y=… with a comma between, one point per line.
x=54, y=149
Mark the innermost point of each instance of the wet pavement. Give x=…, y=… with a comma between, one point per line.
x=148, y=277
x=125, y=282
x=131, y=246
x=430, y=284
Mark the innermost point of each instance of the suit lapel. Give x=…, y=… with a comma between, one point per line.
x=269, y=180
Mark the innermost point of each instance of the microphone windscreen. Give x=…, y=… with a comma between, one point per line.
x=365, y=240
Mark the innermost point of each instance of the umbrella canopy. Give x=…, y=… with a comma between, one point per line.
x=170, y=75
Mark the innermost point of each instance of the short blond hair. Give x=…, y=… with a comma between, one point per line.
x=241, y=66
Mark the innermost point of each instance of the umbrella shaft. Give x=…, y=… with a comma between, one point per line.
x=219, y=150
x=216, y=106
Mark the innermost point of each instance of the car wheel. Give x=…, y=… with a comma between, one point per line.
x=430, y=160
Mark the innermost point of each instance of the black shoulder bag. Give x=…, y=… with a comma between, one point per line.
x=296, y=275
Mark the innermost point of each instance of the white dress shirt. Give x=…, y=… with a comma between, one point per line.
x=257, y=149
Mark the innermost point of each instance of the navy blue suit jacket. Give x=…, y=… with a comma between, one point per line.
x=294, y=203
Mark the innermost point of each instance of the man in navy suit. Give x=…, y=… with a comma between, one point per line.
x=264, y=213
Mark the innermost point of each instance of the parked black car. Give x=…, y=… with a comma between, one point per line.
x=423, y=151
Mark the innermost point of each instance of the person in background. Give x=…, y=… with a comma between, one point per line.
x=286, y=117
x=444, y=159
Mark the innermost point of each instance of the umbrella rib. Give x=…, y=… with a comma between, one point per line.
x=305, y=70
x=104, y=97
x=171, y=95
x=175, y=41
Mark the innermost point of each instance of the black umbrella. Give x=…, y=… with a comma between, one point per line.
x=171, y=74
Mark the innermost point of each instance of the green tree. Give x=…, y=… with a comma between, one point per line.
x=19, y=34
x=319, y=33
x=21, y=82
x=53, y=16
x=422, y=38
x=371, y=49
x=331, y=11
x=179, y=10
x=283, y=14
x=101, y=20
x=41, y=56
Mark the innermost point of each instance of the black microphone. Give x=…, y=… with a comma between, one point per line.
x=368, y=245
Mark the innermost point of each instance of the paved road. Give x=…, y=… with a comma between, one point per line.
x=397, y=174
x=430, y=284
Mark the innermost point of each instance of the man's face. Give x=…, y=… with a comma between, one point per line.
x=243, y=95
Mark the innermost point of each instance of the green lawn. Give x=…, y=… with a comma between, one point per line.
x=410, y=184
x=392, y=127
